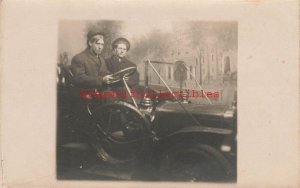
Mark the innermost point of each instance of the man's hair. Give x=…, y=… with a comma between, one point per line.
x=94, y=39
x=91, y=36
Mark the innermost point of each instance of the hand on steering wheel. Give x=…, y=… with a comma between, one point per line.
x=118, y=76
x=126, y=78
x=108, y=79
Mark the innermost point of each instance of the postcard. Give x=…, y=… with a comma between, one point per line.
x=146, y=93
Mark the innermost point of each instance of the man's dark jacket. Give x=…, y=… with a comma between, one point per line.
x=88, y=69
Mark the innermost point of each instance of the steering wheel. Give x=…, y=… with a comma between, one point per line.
x=123, y=131
x=126, y=72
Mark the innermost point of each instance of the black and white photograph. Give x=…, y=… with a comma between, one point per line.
x=142, y=93
x=152, y=101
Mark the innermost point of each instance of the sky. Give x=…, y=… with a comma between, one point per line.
x=136, y=29
x=72, y=33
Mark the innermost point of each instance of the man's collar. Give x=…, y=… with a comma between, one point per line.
x=93, y=55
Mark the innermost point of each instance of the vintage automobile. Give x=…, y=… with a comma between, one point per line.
x=179, y=140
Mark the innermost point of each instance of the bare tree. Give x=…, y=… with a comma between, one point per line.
x=180, y=73
x=221, y=34
x=154, y=45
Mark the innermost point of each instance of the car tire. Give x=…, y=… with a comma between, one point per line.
x=197, y=162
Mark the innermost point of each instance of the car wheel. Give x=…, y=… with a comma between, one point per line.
x=195, y=163
x=119, y=132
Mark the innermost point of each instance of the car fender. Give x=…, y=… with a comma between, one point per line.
x=196, y=134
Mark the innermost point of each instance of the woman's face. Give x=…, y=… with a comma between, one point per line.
x=121, y=50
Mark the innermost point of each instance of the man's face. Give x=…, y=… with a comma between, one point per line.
x=97, y=46
x=121, y=50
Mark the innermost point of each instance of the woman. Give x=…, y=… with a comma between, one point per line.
x=118, y=61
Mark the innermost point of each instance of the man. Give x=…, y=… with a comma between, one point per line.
x=89, y=67
x=118, y=61
x=90, y=73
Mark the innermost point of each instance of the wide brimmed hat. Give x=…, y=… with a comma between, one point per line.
x=121, y=41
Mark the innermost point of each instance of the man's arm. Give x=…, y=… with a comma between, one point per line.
x=80, y=76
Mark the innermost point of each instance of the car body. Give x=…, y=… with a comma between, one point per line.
x=181, y=141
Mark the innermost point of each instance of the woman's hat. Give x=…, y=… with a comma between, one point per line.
x=121, y=41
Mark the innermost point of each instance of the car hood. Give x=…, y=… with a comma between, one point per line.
x=196, y=109
x=170, y=117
